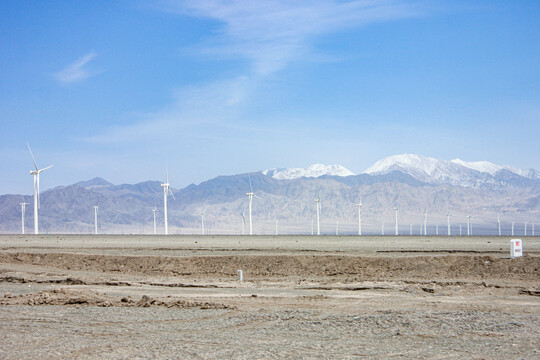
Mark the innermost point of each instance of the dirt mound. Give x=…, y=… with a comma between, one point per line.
x=93, y=298
x=343, y=267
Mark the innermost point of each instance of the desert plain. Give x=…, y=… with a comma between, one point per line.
x=312, y=297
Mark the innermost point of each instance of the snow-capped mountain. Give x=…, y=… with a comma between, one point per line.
x=454, y=172
x=312, y=171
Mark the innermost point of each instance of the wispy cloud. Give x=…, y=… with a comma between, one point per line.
x=273, y=33
x=76, y=71
x=270, y=34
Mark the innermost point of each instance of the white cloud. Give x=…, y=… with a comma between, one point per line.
x=273, y=33
x=76, y=71
x=270, y=35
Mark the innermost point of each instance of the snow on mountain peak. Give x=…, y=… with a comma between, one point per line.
x=482, y=166
x=435, y=171
x=314, y=171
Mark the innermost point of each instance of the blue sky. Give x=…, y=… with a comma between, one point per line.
x=116, y=89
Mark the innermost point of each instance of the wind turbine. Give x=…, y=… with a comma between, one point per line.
x=512, y=228
x=396, y=209
x=243, y=215
x=337, y=227
x=469, y=225
x=95, y=218
x=36, y=173
x=382, y=228
x=202, y=221
x=250, y=195
x=23, y=210
x=499, y=223
x=425, y=222
x=448, y=220
x=276, y=220
x=359, y=217
x=166, y=192
x=318, y=204
x=525, y=232
x=154, y=211
x=437, y=229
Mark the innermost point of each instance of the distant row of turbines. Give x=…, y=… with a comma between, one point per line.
x=166, y=191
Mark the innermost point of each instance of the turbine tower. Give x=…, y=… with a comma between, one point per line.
x=425, y=222
x=250, y=195
x=359, y=218
x=36, y=173
x=95, y=218
x=154, y=211
x=23, y=211
x=499, y=223
x=166, y=192
x=448, y=220
x=202, y=221
x=469, y=225
x=318, y=204
x=512, y=228
x=396, y=209
x=276, y=220
x=337, y=227
x=525, y=231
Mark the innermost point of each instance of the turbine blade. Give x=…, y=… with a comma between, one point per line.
x=33, y=159
x=48, y=167
x=172, y=194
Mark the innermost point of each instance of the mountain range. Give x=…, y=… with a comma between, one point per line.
x=413, y=182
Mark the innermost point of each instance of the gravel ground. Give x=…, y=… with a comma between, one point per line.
x=137, y=298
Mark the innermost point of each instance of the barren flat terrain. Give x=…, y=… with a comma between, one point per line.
x=124, y=297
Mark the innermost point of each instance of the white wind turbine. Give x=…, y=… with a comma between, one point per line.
x=154, y=211
x=95, y=219
x=276, y=220
x=448, y=221
x=23, y=211
x=525, y=231
x=318, y=204
x=396, y=209
x=203, y=214
x=425, y=222
x=469, y=225
x=513, y=228
x=499, y=223
x=166, y=192
x=243, y=215
x=359, y=217
x=250, y=195
x=36, y=173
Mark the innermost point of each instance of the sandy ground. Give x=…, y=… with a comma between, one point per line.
x=129, y=297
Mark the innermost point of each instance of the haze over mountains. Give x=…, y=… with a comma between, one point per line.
x=414, y=183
